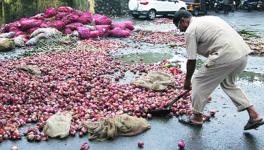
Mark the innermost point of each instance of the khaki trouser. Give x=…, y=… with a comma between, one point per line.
x=208, y=78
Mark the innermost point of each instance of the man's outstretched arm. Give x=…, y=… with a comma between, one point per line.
x=190, y=67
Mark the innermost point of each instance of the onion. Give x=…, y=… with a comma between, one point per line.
x=157, y=37
x=85, y=146
x=81, y=82
x=212, y=113
x=141, y=144
x=181, y=144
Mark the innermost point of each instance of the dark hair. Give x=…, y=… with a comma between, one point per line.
x=181, y=14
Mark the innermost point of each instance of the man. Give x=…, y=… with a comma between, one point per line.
x=227, y=56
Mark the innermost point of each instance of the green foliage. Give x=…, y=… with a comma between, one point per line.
x=248, y=34
x=14, y=9
x=26, y=54
x=111, y=8
x=11, y=10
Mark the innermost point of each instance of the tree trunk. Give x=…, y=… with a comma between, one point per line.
x=91, y=6
x=2, y=21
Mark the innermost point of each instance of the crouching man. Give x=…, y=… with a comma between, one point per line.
x=227, y=56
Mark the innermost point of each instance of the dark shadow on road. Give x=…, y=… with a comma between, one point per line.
x=250, y=140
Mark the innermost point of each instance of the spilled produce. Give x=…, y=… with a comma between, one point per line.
x=81, y=77
x=74, y=81
x=158, y=37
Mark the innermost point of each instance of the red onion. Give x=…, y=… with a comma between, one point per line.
x=212, y=113
x=81, y=82
x=141, y=144
x=181, y=144
x=157, y=37
x=85, y=146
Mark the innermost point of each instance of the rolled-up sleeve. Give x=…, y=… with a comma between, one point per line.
x=191, y=45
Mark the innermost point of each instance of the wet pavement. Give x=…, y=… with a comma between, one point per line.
x=242, y=20
x=223, y=132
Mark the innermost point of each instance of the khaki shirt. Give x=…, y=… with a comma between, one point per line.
x=213, y=38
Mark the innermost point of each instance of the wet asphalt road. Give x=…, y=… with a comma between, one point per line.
x=223, y=132
x=252, y=21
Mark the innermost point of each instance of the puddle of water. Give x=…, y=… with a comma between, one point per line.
x=147, y=58
x=144, y=53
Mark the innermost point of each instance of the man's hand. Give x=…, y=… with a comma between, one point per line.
x=187, y=85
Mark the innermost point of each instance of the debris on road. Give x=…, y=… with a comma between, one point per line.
x=257, y=45
x=255, y=42
x=163, y=21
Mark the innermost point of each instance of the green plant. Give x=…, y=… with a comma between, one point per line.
x=248, y=34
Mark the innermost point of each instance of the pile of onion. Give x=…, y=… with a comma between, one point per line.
x=79, y=81
x=158, y=37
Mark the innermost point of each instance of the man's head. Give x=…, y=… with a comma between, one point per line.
x=182, y=20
